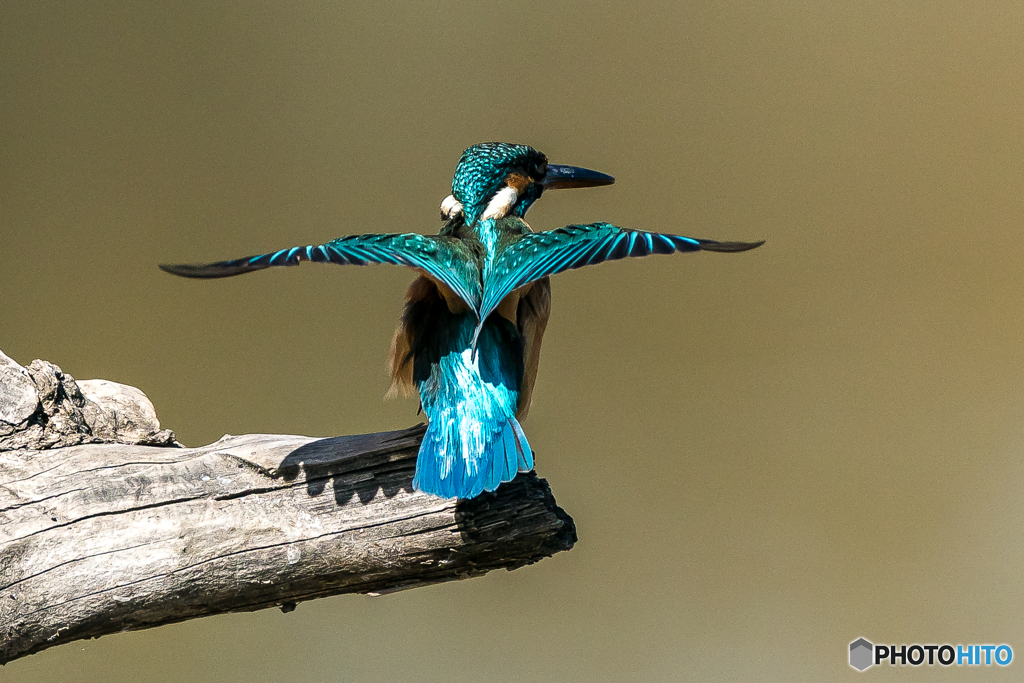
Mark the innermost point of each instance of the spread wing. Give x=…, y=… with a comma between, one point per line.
x=541, y=254
x=446, y=259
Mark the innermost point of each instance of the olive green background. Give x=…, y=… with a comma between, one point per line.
x=767, y=454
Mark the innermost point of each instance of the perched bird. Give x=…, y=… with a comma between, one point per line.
x=469, y=339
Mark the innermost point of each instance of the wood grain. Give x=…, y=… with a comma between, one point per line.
x=98, y=538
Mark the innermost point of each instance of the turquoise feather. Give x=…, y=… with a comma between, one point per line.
x=467, y=360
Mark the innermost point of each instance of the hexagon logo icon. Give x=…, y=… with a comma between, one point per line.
x=861, y=654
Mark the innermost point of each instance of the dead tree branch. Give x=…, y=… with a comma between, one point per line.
x=97, y=538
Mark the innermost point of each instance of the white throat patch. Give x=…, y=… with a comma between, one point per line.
x=501, y=204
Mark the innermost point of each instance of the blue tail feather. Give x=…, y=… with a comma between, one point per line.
x=473, y=442
x=449, y=466
x=525, y=454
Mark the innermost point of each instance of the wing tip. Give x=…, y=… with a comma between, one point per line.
x=179, y=269
x=207, y=270
x=728, y=247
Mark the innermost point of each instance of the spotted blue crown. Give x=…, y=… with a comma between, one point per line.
x=482, y=171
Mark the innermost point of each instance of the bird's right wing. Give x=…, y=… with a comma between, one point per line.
x=444, y=258
x=541, y=254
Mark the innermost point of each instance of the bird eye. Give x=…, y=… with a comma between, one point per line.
x=538, y=170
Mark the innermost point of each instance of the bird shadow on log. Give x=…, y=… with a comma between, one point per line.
x=357, y=465
x=364, y=466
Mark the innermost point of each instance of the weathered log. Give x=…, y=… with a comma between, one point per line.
x=98, y=538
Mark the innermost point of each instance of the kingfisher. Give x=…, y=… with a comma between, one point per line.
x=468, y=342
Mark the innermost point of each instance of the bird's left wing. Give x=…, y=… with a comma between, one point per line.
x=540, y=254
x=444, y=258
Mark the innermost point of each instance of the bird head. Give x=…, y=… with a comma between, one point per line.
x=498, y=179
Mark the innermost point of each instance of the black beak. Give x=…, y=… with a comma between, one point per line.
x=559, y=177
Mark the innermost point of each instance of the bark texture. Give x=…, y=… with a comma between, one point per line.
x=104, y=533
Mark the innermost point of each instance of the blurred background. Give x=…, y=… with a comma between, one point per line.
x=768, y=455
